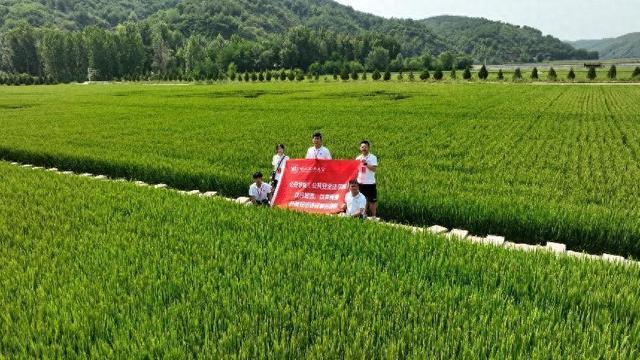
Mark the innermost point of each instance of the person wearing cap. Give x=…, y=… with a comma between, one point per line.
x=367, y=176
x=317, y=151
x=355, y=204
x=259, y=191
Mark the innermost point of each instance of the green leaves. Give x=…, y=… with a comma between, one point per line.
x=108, y=269
x=534, y=164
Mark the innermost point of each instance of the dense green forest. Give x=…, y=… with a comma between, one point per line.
x=60, y=39
x=622, y=47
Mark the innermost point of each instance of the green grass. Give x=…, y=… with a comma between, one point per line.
x=106, y=269
x=534, y=163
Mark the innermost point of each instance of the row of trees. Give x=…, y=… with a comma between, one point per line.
x=138, y=50
x=345, y=74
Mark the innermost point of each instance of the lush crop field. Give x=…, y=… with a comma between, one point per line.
x=534, y=163
x=108, y=269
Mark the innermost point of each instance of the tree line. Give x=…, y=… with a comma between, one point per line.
x=137, y=51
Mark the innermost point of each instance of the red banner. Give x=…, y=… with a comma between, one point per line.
x=315, y=186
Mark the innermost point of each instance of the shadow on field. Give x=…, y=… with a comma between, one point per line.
x=369, y=95
x=15, y=106
x=245, y=94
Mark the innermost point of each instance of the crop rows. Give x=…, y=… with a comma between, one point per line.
x=536, y=164
x=107, y=269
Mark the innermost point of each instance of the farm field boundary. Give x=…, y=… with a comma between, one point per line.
x=453, y=234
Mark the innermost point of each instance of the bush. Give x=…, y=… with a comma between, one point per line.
x=344, y=74
x=376, y=75
x=467, y=74
x=571, y=75
x=591, y=74
x=387, y=76
x=500, y=75
x=483, y=74
x=613, y=72
x=291, y=75
x=354, y=75
x=364, y=75
x=636, y=73
x=412, y=77
x=316, y=76
x=552, y=75
x=299, y=75
x=425, y=75
x=268, y=76
x=438, y=75
x=246, y=77
x=26, y=79
x=400, y=76
x=254, y=77
x=315, y=68
x=335, y=74
x=534, y=74
x=453, y=74
x=283, y=75
x=517, y=74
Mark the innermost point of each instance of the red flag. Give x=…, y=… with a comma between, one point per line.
x=315, y=186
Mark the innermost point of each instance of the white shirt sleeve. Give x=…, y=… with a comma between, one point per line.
x=373, y=160
x=328, y=154
x=267, y=188
x=362, y=202
x=310, y=154
x=253, y=191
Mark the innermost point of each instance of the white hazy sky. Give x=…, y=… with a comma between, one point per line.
x=565, y=19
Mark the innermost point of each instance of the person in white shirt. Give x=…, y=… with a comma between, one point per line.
x=279, y=162
x=317, y=151
x=355, y=203
x=259, y=192
x=367, y=176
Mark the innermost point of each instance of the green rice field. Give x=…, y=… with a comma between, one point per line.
x=95, y=269
x=532, y=163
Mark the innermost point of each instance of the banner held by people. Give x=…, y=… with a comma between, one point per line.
x=315, y=186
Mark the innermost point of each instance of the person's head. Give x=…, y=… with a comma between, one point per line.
x=280, y=149
x=364, y=147
x=257, y=178
x=354, y=187
x=317, y=139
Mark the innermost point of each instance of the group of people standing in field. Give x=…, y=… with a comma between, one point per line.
x=360, y=201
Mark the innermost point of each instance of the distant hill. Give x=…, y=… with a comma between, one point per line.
x=498, y=42
x=257, y=19
x=625, y=46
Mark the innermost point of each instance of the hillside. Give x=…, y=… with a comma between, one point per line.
x=625, y=46
x=497, y=42
x=255, y=20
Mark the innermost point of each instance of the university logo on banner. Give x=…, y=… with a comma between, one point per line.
x=315, y=186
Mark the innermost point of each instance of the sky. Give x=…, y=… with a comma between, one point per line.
x=564, y=19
